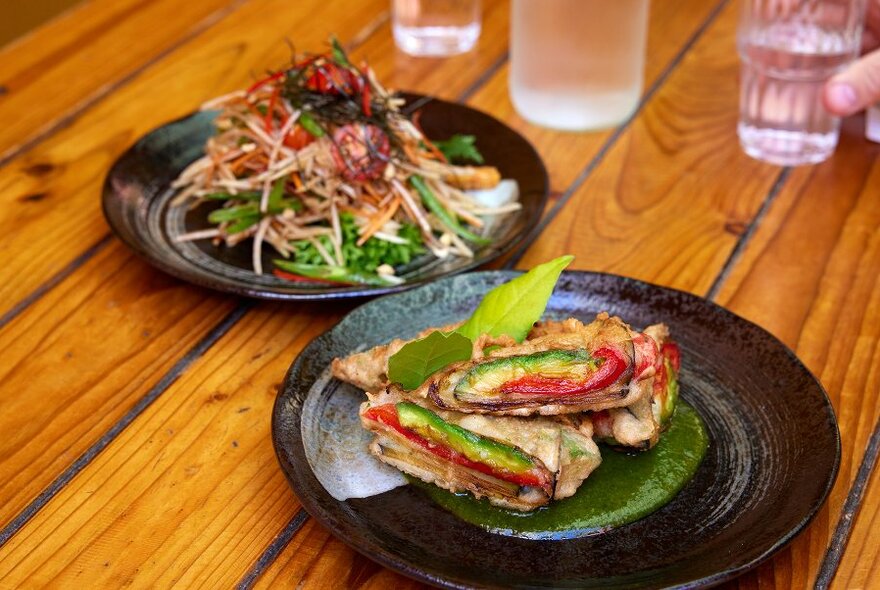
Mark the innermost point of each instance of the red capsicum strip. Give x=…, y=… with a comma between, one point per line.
x=671, y=351
x=667, y=351
x=646, y=353
x=288, y=276
x=612, y=367
x=266, y=80
x=387, y=415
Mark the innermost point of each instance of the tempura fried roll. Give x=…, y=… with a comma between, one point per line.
x=590, y=367
x=639, y=424
x=514, y=463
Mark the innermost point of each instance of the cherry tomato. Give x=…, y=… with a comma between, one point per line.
x=298, y=138
x=329, y=78
x=360, y=151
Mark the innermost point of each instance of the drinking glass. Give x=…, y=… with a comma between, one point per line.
x=435, y=27
x=577, y=64
x=788, y=50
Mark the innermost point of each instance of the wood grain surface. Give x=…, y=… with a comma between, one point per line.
x=825, y=248
x=655, y=209
x=97, y=312
x=138, y=407
x=51, y=210
x=447, y=75
x=860, y=567
x=85, y=54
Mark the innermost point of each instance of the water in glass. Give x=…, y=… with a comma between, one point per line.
x=435, y=27
x=577, y=64
x=784, y=67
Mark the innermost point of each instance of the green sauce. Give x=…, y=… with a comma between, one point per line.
x=624, y=488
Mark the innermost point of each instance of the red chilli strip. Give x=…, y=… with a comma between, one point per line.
x=270, y=110
x=266, y=80
x=289, y=276
x=612, y=367
x=387, y=415
x=671, y=351
x=646, y=354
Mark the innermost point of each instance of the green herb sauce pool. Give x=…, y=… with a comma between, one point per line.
x=624, y=488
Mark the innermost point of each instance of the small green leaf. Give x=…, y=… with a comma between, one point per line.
x=419, y=359
x=242, y=224
x=514, y=307
x=309, y=124
x=338, y=52
x=460, y=147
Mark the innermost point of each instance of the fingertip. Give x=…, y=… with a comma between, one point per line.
x=840, y=98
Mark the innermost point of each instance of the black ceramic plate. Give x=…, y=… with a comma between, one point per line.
x=772, y=459
x=137, y=194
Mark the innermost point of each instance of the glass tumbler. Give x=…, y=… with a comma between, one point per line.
x=435, y=28
x=788, y=50
x=577, y=64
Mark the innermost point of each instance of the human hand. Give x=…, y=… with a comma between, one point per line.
x=858, y=86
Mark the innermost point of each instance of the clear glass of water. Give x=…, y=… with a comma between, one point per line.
x=788, y=50
x=435, y=28
x=577, y=65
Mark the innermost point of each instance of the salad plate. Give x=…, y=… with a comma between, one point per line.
x=773, y=453
x=138, y=194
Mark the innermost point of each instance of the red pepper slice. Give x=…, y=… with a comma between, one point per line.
x=387, y=415
x=270, y=110
x=365, y=97
x=298, y=138
x=671, y=351
x=646, y=354
x=266, y=80
x=288, y=276
x=612, y=367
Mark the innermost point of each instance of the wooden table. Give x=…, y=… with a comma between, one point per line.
x=135, y=408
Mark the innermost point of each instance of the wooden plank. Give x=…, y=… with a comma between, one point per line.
x=164, y=565
x=71, y=166
x=51, y=195
x=81, y=357
x=811, y=276
x=670, y=199
x=690, y=106
x=316, y=559
x=84, y=53
x=401, y=72
x=100, y=368
x=190, y=493
x=860, y=567
x=671, y=25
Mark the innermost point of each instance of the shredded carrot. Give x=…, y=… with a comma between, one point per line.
x=378, y=221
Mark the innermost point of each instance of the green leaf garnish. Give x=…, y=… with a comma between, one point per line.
x=419, y=359
x=511, y=308
x=460, y=147
x=514, y=307
x=338, y=52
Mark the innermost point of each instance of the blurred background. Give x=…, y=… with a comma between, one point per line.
x=17, y=17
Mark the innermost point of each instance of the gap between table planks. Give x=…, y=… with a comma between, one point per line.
x=51, y=194
x=797, y=565
x=447, y=75
x=827, y=246
x=29, y=527
x=51, y=75
x=32, y=187
x=89, y=339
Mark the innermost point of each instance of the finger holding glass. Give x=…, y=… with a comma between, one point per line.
x=789, y=49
